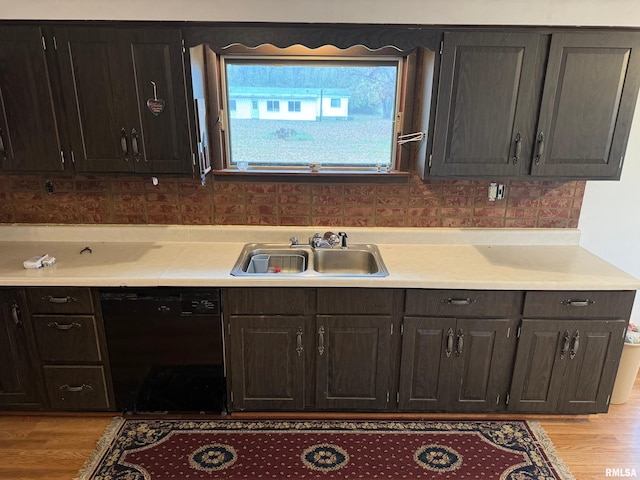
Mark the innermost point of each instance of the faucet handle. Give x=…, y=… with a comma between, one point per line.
x=294, y=240
x=332, y=239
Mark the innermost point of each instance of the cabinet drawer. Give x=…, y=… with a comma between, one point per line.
x=579, y=304
x=265, y=301
x=66, y=338
x=60, y=300
x=457, y=303
x=355, y=300
x=76, y=388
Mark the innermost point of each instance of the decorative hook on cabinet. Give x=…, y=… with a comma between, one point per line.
x=155, y=105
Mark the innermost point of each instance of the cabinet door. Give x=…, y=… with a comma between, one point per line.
x=590, y=93
x=19, y=375
x=539, y=368
x=164, y=141
x=428, y=345
x=266, y=357
x=353, y=353
x=98, y=84
x=29, y=138
x=482, y=364
x=592, y=363
x=486, y=107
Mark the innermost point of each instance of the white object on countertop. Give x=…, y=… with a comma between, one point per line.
x=39, y=261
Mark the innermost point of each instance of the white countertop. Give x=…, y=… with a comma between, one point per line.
x=500, y=259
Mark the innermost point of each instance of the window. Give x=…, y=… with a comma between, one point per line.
x=232, y=105
x=273, y=106
x=342, y=109
x=294, y=106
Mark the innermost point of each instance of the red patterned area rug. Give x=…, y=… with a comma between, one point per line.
x=233, y=450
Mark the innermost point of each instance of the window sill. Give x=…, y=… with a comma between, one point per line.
x=269, y=175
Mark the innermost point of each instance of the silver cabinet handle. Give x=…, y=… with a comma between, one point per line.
x=66, y=299
x=64, y=326
x=540, y=148
x=124, y=146
x=449, y=349
x=565, y=345
x=460, y=345
x=79, y=388
x=15, y=314
x=518, y=150
x=299, y=348
x=577, y=303
x=458, y=301
x=321, y=340
x=576, y=345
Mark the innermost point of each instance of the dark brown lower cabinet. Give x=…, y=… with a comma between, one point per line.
x=267, y=359
x=566, y=366
x=20, y=379
x=455, y=365
x=353, y=354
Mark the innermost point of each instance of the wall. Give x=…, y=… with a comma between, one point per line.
x=438, y=203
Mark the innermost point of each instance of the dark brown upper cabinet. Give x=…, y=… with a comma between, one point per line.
x=29, y=135
x=126, y=99
x=502, y=111
x=486, y=99
x=590, y=92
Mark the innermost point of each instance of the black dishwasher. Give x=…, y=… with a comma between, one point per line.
x=165, y=349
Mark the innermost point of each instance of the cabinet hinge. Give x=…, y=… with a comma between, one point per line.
x=441, y=46
x=183, y=48
x=507, y=399
x=62, y=158
x=508, y=332
x=392, y=329
x=388, y=396
x=397, y=397
x=55, y=43
x=608, y=399
x=430, y=159
x=231, y=394
x=498, y=400
x=402, y=329
x=44, y=43
x=519, y=331
x=193, y=159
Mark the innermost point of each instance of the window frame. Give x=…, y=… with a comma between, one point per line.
x=408, y=71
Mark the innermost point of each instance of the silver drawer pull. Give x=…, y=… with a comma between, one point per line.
x=66, y=299
x=321, y=340
x=79, y=388
x=64, y=326
x=577, y=303
x=299, y=348
x=458, y=301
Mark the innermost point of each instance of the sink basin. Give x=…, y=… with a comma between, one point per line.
x=258, y=259
x=346, y=262
x=264, y=259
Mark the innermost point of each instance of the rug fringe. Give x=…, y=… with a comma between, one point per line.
x=543, y=439
x=110, y=433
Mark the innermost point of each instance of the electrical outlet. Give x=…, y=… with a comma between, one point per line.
x=500, y=192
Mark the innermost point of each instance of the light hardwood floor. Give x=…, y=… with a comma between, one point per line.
x=47, y=447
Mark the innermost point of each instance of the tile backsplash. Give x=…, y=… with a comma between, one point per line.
x=434, y=203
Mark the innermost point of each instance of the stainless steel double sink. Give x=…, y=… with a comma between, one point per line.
x=264, y=259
